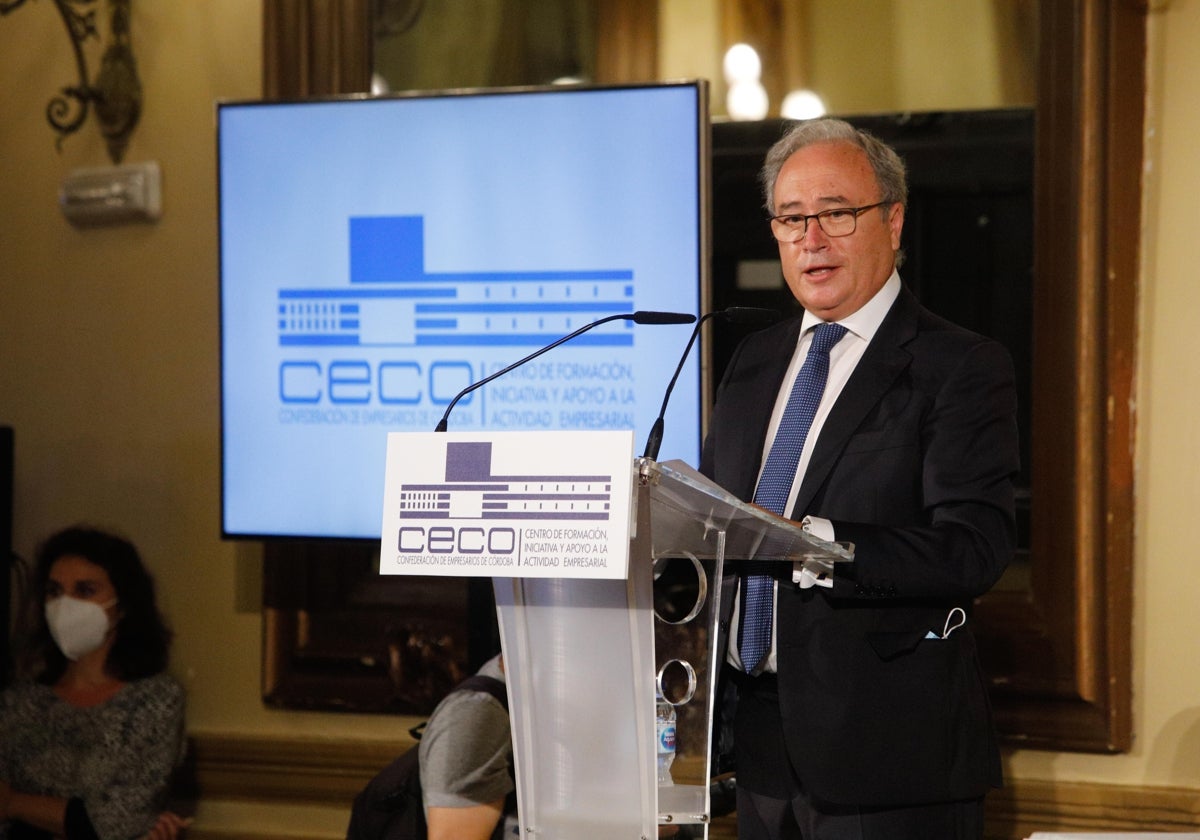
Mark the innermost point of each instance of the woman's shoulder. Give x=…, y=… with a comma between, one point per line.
x=159, y=689
x=25, y=692
x=22, y=704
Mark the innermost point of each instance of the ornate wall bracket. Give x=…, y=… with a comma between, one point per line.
x=117, y=91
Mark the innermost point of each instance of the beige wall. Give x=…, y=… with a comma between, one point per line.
x=108, y=372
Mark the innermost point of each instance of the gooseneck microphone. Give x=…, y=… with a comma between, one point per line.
x=732, y=314
x=639, y=317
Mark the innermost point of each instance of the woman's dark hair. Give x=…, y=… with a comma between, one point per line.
x=142, y=640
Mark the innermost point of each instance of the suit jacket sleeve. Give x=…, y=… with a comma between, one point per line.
x=926, y=494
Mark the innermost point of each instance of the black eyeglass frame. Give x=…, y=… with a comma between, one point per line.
x=777, y=223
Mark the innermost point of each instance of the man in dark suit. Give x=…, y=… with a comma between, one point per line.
x=866, y=714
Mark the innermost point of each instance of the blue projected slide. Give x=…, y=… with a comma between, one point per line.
x=380, y=255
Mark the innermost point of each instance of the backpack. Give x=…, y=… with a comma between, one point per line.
x=390, y=807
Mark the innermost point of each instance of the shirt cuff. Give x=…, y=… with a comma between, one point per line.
x=809, y=573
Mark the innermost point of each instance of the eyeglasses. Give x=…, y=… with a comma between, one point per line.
x=840, y=221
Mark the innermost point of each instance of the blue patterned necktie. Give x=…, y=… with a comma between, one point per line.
x=775, y=485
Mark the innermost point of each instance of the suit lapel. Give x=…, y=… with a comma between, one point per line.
x=884, y=360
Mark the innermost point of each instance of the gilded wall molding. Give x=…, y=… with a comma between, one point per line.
x=282, y=769
x=1023, y=807
x=275, y=770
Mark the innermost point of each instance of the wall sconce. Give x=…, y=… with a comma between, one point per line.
x=117, y=92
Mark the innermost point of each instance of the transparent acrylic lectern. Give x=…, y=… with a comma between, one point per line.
x=584, y=658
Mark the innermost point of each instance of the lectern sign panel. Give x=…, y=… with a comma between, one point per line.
x=508, y=504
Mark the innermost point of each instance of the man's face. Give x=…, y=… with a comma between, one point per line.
x=833, y=277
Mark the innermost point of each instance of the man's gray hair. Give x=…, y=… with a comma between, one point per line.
x=888, y=167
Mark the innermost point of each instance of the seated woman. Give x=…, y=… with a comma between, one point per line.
x=90, y=737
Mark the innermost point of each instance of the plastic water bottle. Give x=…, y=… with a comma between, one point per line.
x=664, y=720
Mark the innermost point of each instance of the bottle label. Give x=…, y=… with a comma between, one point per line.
x=666, y=739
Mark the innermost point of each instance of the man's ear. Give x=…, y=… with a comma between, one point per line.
x=896, y=223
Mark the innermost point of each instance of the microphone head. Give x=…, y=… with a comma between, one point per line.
x=647, y=316
x=751, y=315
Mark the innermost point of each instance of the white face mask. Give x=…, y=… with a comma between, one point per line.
x=78, y=627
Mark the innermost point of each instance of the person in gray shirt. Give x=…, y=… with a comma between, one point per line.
x=466, y=765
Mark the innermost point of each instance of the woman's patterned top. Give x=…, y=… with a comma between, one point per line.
x=116, y=756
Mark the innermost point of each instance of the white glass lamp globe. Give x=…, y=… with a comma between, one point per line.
x=746, y=101
x=802, y=105
x=742, y=64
